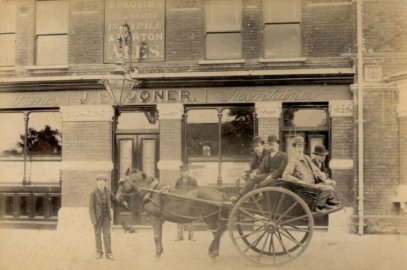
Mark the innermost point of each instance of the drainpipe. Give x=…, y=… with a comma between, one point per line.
x=361, y=198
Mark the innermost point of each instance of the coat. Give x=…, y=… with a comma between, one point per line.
x=256, y=161
x=303, y=169
x=95, y=204
x=272, y=166
x=323, y=167
x=190, y=183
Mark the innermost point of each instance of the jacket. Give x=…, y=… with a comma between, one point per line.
x=272, y=166
x=189, y=184
x=256, y=161
x=301, y=168
x=323, y=167
x=95, y=204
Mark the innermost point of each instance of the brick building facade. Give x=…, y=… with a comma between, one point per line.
x=191, y=61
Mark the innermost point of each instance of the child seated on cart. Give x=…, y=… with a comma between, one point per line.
x=301, y=169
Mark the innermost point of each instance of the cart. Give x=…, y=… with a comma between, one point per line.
x=271, y=225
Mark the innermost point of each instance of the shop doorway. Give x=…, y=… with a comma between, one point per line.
x=134, y=151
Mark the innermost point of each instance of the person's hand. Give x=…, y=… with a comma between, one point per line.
x=125, y=204
x=330, y=182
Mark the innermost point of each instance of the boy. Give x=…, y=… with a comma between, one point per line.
x=100, y=215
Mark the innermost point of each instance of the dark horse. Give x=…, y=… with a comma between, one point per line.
x=161, y=207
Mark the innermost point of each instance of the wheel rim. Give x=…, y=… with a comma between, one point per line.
x=271, y=226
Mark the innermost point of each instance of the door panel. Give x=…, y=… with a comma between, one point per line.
x=134, y=151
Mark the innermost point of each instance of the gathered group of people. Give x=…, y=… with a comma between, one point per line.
x=270, y=164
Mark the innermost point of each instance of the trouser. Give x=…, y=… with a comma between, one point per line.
x=102, y=226
x=180, y=230
x=326, y=193
x=250, y=184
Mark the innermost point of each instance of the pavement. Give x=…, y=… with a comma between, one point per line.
x=51, y=249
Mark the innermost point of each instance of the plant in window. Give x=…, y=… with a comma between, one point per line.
x=43, y=142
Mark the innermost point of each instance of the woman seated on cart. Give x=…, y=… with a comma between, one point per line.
x=301, y=169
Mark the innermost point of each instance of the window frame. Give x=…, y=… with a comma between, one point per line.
x=219, y=156
x=10, y=32
x=220, y=30
x=50, y=34
x=282, y=22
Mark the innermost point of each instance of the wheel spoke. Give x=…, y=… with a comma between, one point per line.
x=268, y=204
x=250, y=233
x=249, y=223
x=247, y=212
x=271, y=246
x=257, y=203
x=256, y=242
x=294, y=228
x=287, y=211
x=280, y=200
x=278, y=235
x=293, y=219
x=290, y=237
x=262, y=249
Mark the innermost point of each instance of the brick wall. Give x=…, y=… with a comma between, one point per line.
x=268, y=126
x=342, y=137
x=328, y=30
x=403, y=149
x=384, y=26
x=185, y=30
x=87, y=141
x=381, y=151
x=86, y=32
x=25, y=31
x=170, y=139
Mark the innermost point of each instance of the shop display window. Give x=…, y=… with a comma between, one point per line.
x=234, y=125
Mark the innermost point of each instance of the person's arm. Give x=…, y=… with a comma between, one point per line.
x=288, y=173
x=283, y=164
x=92, y=208
x=262, y=171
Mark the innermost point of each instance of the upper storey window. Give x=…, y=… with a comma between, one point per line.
x=223, y=29
x=282, y=28
x=51, y=33
x=7, y=32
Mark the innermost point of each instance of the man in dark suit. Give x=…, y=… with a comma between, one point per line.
x=183, y=184
x=99, y=209
x=271, y=168
x=320, y=155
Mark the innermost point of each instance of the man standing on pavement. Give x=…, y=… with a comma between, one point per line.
x=320, y=155
x=270, y=169
x=99, y=209
x=185, y=183
x=300, y=168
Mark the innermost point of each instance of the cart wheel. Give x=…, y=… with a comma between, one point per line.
x=271, y=225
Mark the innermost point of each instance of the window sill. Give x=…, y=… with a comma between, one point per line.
x=31, y=158
x=8, y=68
x=282, y=60
x=216, y=159
x=47, y=67
x=217, y=62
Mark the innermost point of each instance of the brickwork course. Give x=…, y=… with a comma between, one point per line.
x=328, y=41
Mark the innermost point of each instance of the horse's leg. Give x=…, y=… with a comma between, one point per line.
x=158, y=232
x=218, y=226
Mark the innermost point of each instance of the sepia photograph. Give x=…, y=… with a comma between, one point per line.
x=203, y=134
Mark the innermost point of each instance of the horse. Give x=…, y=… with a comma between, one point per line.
x=161, y=207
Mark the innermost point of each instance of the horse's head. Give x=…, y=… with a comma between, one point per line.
x=133, y=184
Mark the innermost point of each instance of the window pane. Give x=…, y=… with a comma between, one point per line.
x=12, y=128
x=7, y=16
x=224, y=46
x=52, y=50
x=52, y=17
x=44, y=133
x=223, y=15
x=135, y=120
x=237, y=131
x=202, y=133
x=305, y=118
x=7, y=49
x=282, y=11
x=282, y=40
